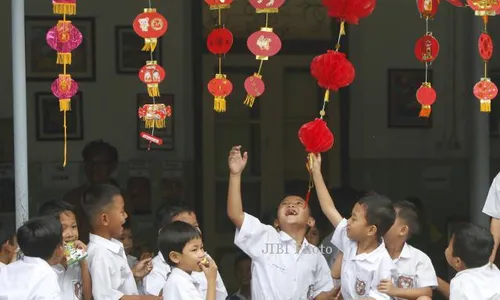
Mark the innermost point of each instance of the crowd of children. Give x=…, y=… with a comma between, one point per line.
x=280, y=260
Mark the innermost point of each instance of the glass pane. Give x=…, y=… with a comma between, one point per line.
x=250, y=193
x=228, y=135
x=301, y=94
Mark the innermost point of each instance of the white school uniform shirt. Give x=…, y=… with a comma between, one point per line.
x=31, y=278
x=108, y=266
x=481, y=283
x=361, y=274
x=154, y=282
x=414, y=270
x=2, y=264
x=492, y=203
x=279, y=271
x=181, y=286
x=70, y=281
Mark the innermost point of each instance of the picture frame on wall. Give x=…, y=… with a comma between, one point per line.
x=129, y=57
x=49, y=120
x=495, y=107
x=166, y=134
x=403, y=108
x=41, y=59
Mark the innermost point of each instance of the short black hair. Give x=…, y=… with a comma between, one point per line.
x=98, y=146
x=167, y=212
x=40, y=237
x=7, y=234
x=174, y=237
x=408, y=213
x=379, y=211
x=472, y=244
x=97, y=197
x=56, y=208
x=241, y=257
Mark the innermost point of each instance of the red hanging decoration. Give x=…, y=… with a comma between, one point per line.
x=485, y=90
x=350, y=11
x=427, y=48
x=150, y=25
x=64, y=7
x=456, y=3
x=267, y=6
x=485, y=45
x=218, y=4
x=426, y=96
x=484, y=7
x=152, y=75
x=427, y=8
x=220, y=41
x=254, y=86
x=220, y=87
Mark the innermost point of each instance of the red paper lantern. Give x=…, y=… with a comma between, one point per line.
x=485, y=45
x=484, y=8
x=254, y=85
x=457, y=3
x=426, y=96
x=350, y=11
x=427, y=48
x=150, y=25
x=427, y=8
x=267, y=6
x=485, y=90
x=154, y=115
x=220, y=41
x=152, y=74
x=220, y=87
x=264, y=43
x=218, y=4
x=316, y=136
x=332, y=70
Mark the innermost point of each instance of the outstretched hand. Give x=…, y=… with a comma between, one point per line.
x=236, y=161
x=314, y=163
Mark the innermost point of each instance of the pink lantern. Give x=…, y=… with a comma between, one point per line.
x=264, y=43
x=64, y=38
x=254, y=85
x=485, y=90
x=267, y=6
x=64, y=88
x=64, y=7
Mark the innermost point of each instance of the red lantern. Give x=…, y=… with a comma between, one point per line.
x=350, y=11
x=264, y=43
x=427, y=48
x=219, y=4
x=254, y=85
x=220, y=87
x=332, y=70
x=220, y=41
x=485, y=45
x=457, y=3
x=152, y=74
x=427, y=8
x=426, y=96
x=485, y=90
x=267, y=6
x=316, y=136
x=150, y=25
x=484, y=8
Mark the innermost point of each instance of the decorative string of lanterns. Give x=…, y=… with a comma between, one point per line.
x=64, y=38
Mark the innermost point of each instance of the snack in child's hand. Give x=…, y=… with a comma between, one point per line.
x=73, y=254
x=205, y=262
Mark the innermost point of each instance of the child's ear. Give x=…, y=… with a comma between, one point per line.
x=311, y=222
x=104, y=219
x=174, y=256
x=372, y=230
x=404, y=230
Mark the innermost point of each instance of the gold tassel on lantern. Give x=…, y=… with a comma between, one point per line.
x=425, y=111
x=249, y=100
x=220, y=104
x=64, y=8
x=153, y=90
x=65, y=106
x=485, y=105
x=155, y=123
x=63, y=58
x=150, y=44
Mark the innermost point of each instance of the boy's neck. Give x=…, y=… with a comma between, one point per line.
x=395, y=248
x=297, y=234
x=4, y=259
x=102, y=232
x=367, y=246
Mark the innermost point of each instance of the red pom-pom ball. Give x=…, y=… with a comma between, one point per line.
x=349, y=10
x=316, y=136
x=332, y=70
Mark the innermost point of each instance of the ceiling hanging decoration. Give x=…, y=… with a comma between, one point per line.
x=426, y=51
x=263, y=44
x=64, y=38
x=219, y=42
x=151, y=26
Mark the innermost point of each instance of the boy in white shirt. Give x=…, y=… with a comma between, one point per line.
x=32, y=277
x=154, y=282
x=112, y=278
x=468, y=253
x=284, y=264
x=74, y=280
x=365, y=260
x=415, y=278
x=181, y=245
x=8, y=248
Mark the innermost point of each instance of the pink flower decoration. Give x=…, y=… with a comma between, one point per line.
x=64, y=87
x=64, y=37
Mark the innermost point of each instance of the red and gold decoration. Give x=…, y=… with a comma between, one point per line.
x=64, y=38
x=151, y=26
x=263, y=44
x=219, y=42
x=426, y=51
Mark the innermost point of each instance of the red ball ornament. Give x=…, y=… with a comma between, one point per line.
x=427, y=49
x=426, y=96
x=484, y=8
x=457, y=3
x=254, y=85
x=427, y=8
x=332, y=70
x=152, y=75
x=218, y=4
x=485, y=90
x=264, y=43
x=150, y=25
x=220, y=87
x=267, y=6
x=349, y=11
x=220, y=41
x=316, y=136
x=485, y=45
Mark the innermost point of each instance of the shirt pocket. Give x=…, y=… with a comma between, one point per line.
x=362, y=281
x=405, y=281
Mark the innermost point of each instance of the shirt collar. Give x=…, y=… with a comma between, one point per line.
x=112, y=245
x=406, y=252
x=372, y=256
x=161, y=257
x=184, y=274
x=487, y=266
x=35, y=261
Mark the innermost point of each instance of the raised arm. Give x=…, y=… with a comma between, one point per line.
x=325, y=200
x=237, y=163
x=495, y=231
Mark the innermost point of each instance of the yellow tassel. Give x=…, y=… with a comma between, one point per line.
x=486, y=106
x=63, y=58
x=153, y=90
x=64, y=104
x=327, y=96
x=150, y=44
x=220, y=6
x=65, y=140
x=249, y=101
x=149, y=123
x=342, y=28
x=220, y=104
x=425, y=111
x=64, y=9
x=160, y=123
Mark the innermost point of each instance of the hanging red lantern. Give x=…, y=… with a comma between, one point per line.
x=64, y=38
x=254, y=85
x=64, y=88
x=220, y=41
x=152, y=75
x=350, y=11
x=427, y=8
x=64, y=7
x=264, y=43
x=150, y=25
x=154, y=115
x=220, y=87
x=485, y=90
x=427, y=48
x=332, y=70
x=218, y=4
x=316, y=136
x=485, y=45
x=457, y=3
x=426, y=96
x=267, y=6
x=484, y=8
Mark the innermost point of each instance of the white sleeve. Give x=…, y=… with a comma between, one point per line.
x=323, y=281
x=385, y=270
x=220, y=288
x=153, y=283
x=254, y=238
x=48, y=288
x=426, y=273
x=101, y=272
x=456, y=293
x=339, y=238
x=180, y=291
x=492, y=204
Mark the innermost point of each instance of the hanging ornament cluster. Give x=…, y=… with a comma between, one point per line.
x=426, y=51
x=64, y=38
x=151, y=25
x=263, y=44
x=219, y=42
x=485, y=90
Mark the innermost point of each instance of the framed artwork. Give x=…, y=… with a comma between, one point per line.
x=129, y=56
x=41, y=59
x=495, y=107
x=49, y=120
x=166, y=134
x=403, y=108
